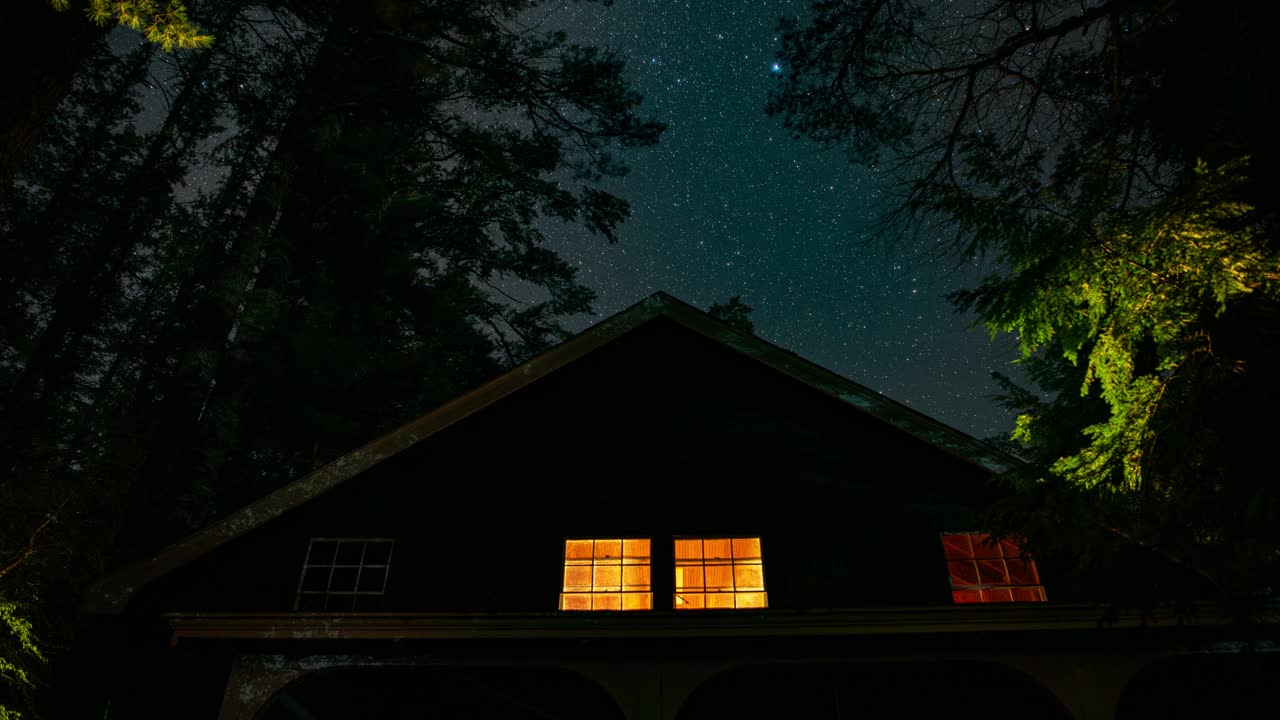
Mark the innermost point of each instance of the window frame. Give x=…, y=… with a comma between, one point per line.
x=981, y=592
x=680, y=604
x=355, y=594
x=593, y=594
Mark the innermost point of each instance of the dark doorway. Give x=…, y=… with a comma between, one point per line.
x=1217, y=685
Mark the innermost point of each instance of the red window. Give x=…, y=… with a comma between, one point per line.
x=984, y=571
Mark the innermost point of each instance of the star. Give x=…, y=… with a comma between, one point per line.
x=727, y=204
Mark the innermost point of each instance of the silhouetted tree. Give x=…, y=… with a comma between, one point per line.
x=66, y=35
x=734, y=312
x=318, y=238
x=1112, y=158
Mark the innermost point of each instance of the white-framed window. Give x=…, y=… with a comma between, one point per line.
x=344, y=574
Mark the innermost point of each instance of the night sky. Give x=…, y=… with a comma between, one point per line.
x=727, y=204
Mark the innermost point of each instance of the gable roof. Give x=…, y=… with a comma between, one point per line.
x=113, y=593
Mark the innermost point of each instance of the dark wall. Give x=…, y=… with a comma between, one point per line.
x=442, y=694
x=830, y=691
x=660, y=433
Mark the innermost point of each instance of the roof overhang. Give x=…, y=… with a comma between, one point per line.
x=896, y=621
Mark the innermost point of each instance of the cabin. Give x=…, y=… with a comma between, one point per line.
x=662, y=518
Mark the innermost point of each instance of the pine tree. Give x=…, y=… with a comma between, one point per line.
x=358, y=233
x=67, y=35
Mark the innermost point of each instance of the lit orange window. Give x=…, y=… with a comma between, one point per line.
x=987, y=572
x=610, y=574
x=716, y=573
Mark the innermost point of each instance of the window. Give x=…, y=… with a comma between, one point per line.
x=713, y=573
x=609, y=574
x=983, y=571
x=344, y=574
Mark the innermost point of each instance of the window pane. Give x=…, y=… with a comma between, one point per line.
x=956, y=546
x=689, y=601
x=637, y=601
x=343, y=580
x=606, y=601
x=966, y=596
x=717, y=549
x=575, y=601
x=1010, y=549
x=751, y=600
x=349, y=553
x=372, y=579
x=322, y=553
x=638, y=548
x=377, y=553
x=963, y=572
x=689, y=578
x=719, y=577
x=608, y=549
x=577, y=578
x=1022, y=572
x=983, y=547
x=607, y=577
x=999, y=595
x=688, y=549
x=1028, y=594
x=746, y=548
x=577, y=549
x=635, y=577
x=748, y=577
x=719, y=601
x=992, y=572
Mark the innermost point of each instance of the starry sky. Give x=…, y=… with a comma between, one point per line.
x=727, y=204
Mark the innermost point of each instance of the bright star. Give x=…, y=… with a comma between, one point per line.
x=777, y=67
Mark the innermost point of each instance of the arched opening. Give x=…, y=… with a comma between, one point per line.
x=839, y=691
x=1235, y=684
x=401, y=693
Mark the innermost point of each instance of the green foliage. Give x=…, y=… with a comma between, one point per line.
x=337, y=226
x=1117, y=174
x=164, y=23
x=19, y=648
x=1130, y=306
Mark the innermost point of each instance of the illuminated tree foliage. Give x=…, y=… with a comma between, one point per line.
x=1114, y=159
x=18, y=650
x=67, y=33
x=164, y=23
